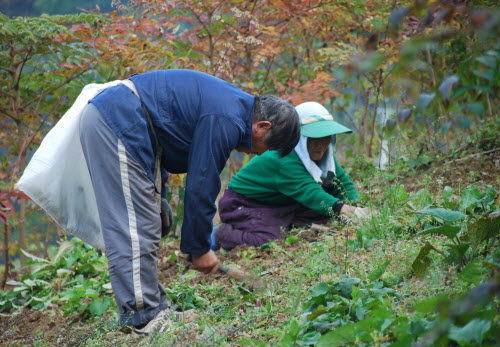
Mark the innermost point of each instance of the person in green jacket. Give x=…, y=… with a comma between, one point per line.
x=271, y=194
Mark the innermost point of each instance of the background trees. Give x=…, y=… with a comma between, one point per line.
x=414, y=79
x=38, y=7
x=417, y=80
x=39, y=59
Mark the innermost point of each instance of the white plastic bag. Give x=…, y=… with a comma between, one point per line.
x=57, y=177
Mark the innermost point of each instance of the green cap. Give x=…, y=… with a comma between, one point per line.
x=316, y=121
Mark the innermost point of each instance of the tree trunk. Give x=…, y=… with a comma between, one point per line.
x=374, y=123
x=7, y=257
x=21, y=228
x=362, y=124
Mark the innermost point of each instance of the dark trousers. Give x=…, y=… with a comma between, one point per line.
x=247, y=221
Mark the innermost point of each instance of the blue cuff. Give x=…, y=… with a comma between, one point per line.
x=213, y=246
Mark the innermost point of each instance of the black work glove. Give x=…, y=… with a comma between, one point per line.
x=167, y=218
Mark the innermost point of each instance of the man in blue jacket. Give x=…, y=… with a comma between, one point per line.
x=196, y=120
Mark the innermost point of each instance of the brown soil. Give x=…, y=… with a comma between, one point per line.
x=25, y=327
x=30, y=327
x=459, y=173
x=482, y=167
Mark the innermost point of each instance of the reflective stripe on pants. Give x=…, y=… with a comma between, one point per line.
x=130, y=221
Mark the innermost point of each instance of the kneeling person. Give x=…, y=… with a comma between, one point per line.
x=272, y=193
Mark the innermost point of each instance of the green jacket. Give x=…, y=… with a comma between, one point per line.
x=277, y=181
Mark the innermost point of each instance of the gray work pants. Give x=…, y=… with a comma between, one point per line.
x=130, y=221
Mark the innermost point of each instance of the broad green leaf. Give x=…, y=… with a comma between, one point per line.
x=481, y=88
x=30, y=282
x=98, y=307
x=444, y=214
x=430, y=305
x=320, y=289
x=65, y=246
x=338, y=337
x=483, y=229
x=422, y=262
x=463, y=122
x=317, y=312
x=386, y=323
x=447, y=230
x=38, y=282
x=379, y=271
x=294, y=328
x=446, y=85
x=344, y=286
x=404, y=340
x=68, y=296
x=290, y=240
x=472, y=331
x=476, y=107
x=487, y=60
x=37, y=299
x=20, y=289
x=473, y=272
x=461, y=91
x=457, y=252
x=419, y=325
x=366, y=327
x=34, y=257
x=490, y=195
x=482, y=72
x=360, y=309
x=61, y=272
x=390, y=124
x=423, y=101
x=91, y=293
x=493, y=53
x=445, y=127
x=309, y=339
x=39, y=268
x=380, y=292
x=447, y=193
x=470, y=197
x=403, y=115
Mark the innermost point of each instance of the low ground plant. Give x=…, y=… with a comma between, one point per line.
x=422, y=272
x=74, y=278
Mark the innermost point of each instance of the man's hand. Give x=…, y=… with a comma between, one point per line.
x=206, y=263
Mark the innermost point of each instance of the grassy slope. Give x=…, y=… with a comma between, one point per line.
x=228, y=312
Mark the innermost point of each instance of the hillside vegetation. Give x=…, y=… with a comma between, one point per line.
x=417, y=81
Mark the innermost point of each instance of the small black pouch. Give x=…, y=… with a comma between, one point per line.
x=167, y=218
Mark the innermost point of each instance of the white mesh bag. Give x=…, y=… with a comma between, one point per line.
x=57, y=177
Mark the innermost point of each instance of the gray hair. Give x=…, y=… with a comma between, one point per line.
x=285, y=123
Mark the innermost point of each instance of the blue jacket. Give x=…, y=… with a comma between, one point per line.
x=199, y=119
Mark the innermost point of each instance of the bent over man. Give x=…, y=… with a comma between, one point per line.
x=196, y=120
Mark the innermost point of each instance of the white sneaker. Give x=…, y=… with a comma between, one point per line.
x=164, y=320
